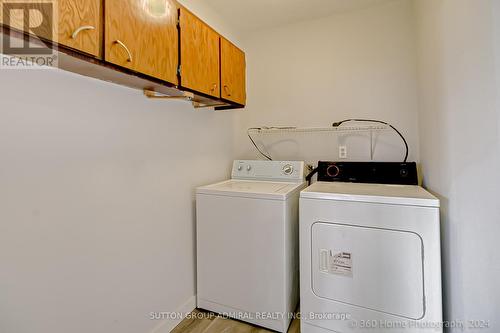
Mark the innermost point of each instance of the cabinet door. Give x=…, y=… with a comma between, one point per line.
x=80, y=25
x=31, y=16
x=77, y=22
x=199, y=55
x=233, y=69
x=142, y=35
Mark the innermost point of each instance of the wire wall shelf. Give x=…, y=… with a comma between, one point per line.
x=338, y=130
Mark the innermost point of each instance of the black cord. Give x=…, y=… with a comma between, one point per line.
x=311, y=174
x=337, y=124
x=255, y=145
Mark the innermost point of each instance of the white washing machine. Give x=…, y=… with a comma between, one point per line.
x=247, y=243
x=370, y=259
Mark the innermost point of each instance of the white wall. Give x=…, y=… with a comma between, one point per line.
x=460, y=147
x=212, y=17
x=356, y=64
x=97, y=202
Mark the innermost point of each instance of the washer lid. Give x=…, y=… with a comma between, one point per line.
x=252, y=189
x=407, y=195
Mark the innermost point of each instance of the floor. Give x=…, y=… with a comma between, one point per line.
x=202, y=321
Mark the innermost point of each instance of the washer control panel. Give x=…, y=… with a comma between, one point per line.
x=287, y=171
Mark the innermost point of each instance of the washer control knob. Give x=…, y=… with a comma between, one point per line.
x=333, y=171
x=249, y=167
x=288, y=169
x=240, y=167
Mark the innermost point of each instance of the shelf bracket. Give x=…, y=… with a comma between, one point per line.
x=198, y=105
x=188, y=96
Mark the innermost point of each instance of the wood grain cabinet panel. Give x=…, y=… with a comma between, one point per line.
x=80, y=25
x=199, y=55
x=142, y=35
x=77, y=22
x=41, y=16
x=233, y=70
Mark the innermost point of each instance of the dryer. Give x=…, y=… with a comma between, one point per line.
x=247, y=243
x=370, y=258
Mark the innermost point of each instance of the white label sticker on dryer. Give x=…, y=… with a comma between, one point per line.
x=335, y=262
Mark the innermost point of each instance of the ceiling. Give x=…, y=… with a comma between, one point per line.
x=249, y=15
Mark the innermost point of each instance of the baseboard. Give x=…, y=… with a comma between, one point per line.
x=167, y=325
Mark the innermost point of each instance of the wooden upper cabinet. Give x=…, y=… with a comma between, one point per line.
x=199, y=55
x=73, y=23
x=80, y=25
x=40, y=16
x=142, y=35
x=233, y=73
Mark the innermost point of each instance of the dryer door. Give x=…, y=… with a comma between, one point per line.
x=375, y=269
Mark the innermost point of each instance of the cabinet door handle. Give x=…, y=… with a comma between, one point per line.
x=119, y=42
x=214, y=87
x=82, y=28
x=227, y=90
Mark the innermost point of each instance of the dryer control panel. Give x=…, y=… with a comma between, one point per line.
x=281, y=171
x=368, y=172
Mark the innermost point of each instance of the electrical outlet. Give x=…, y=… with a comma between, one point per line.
x=343, y=152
